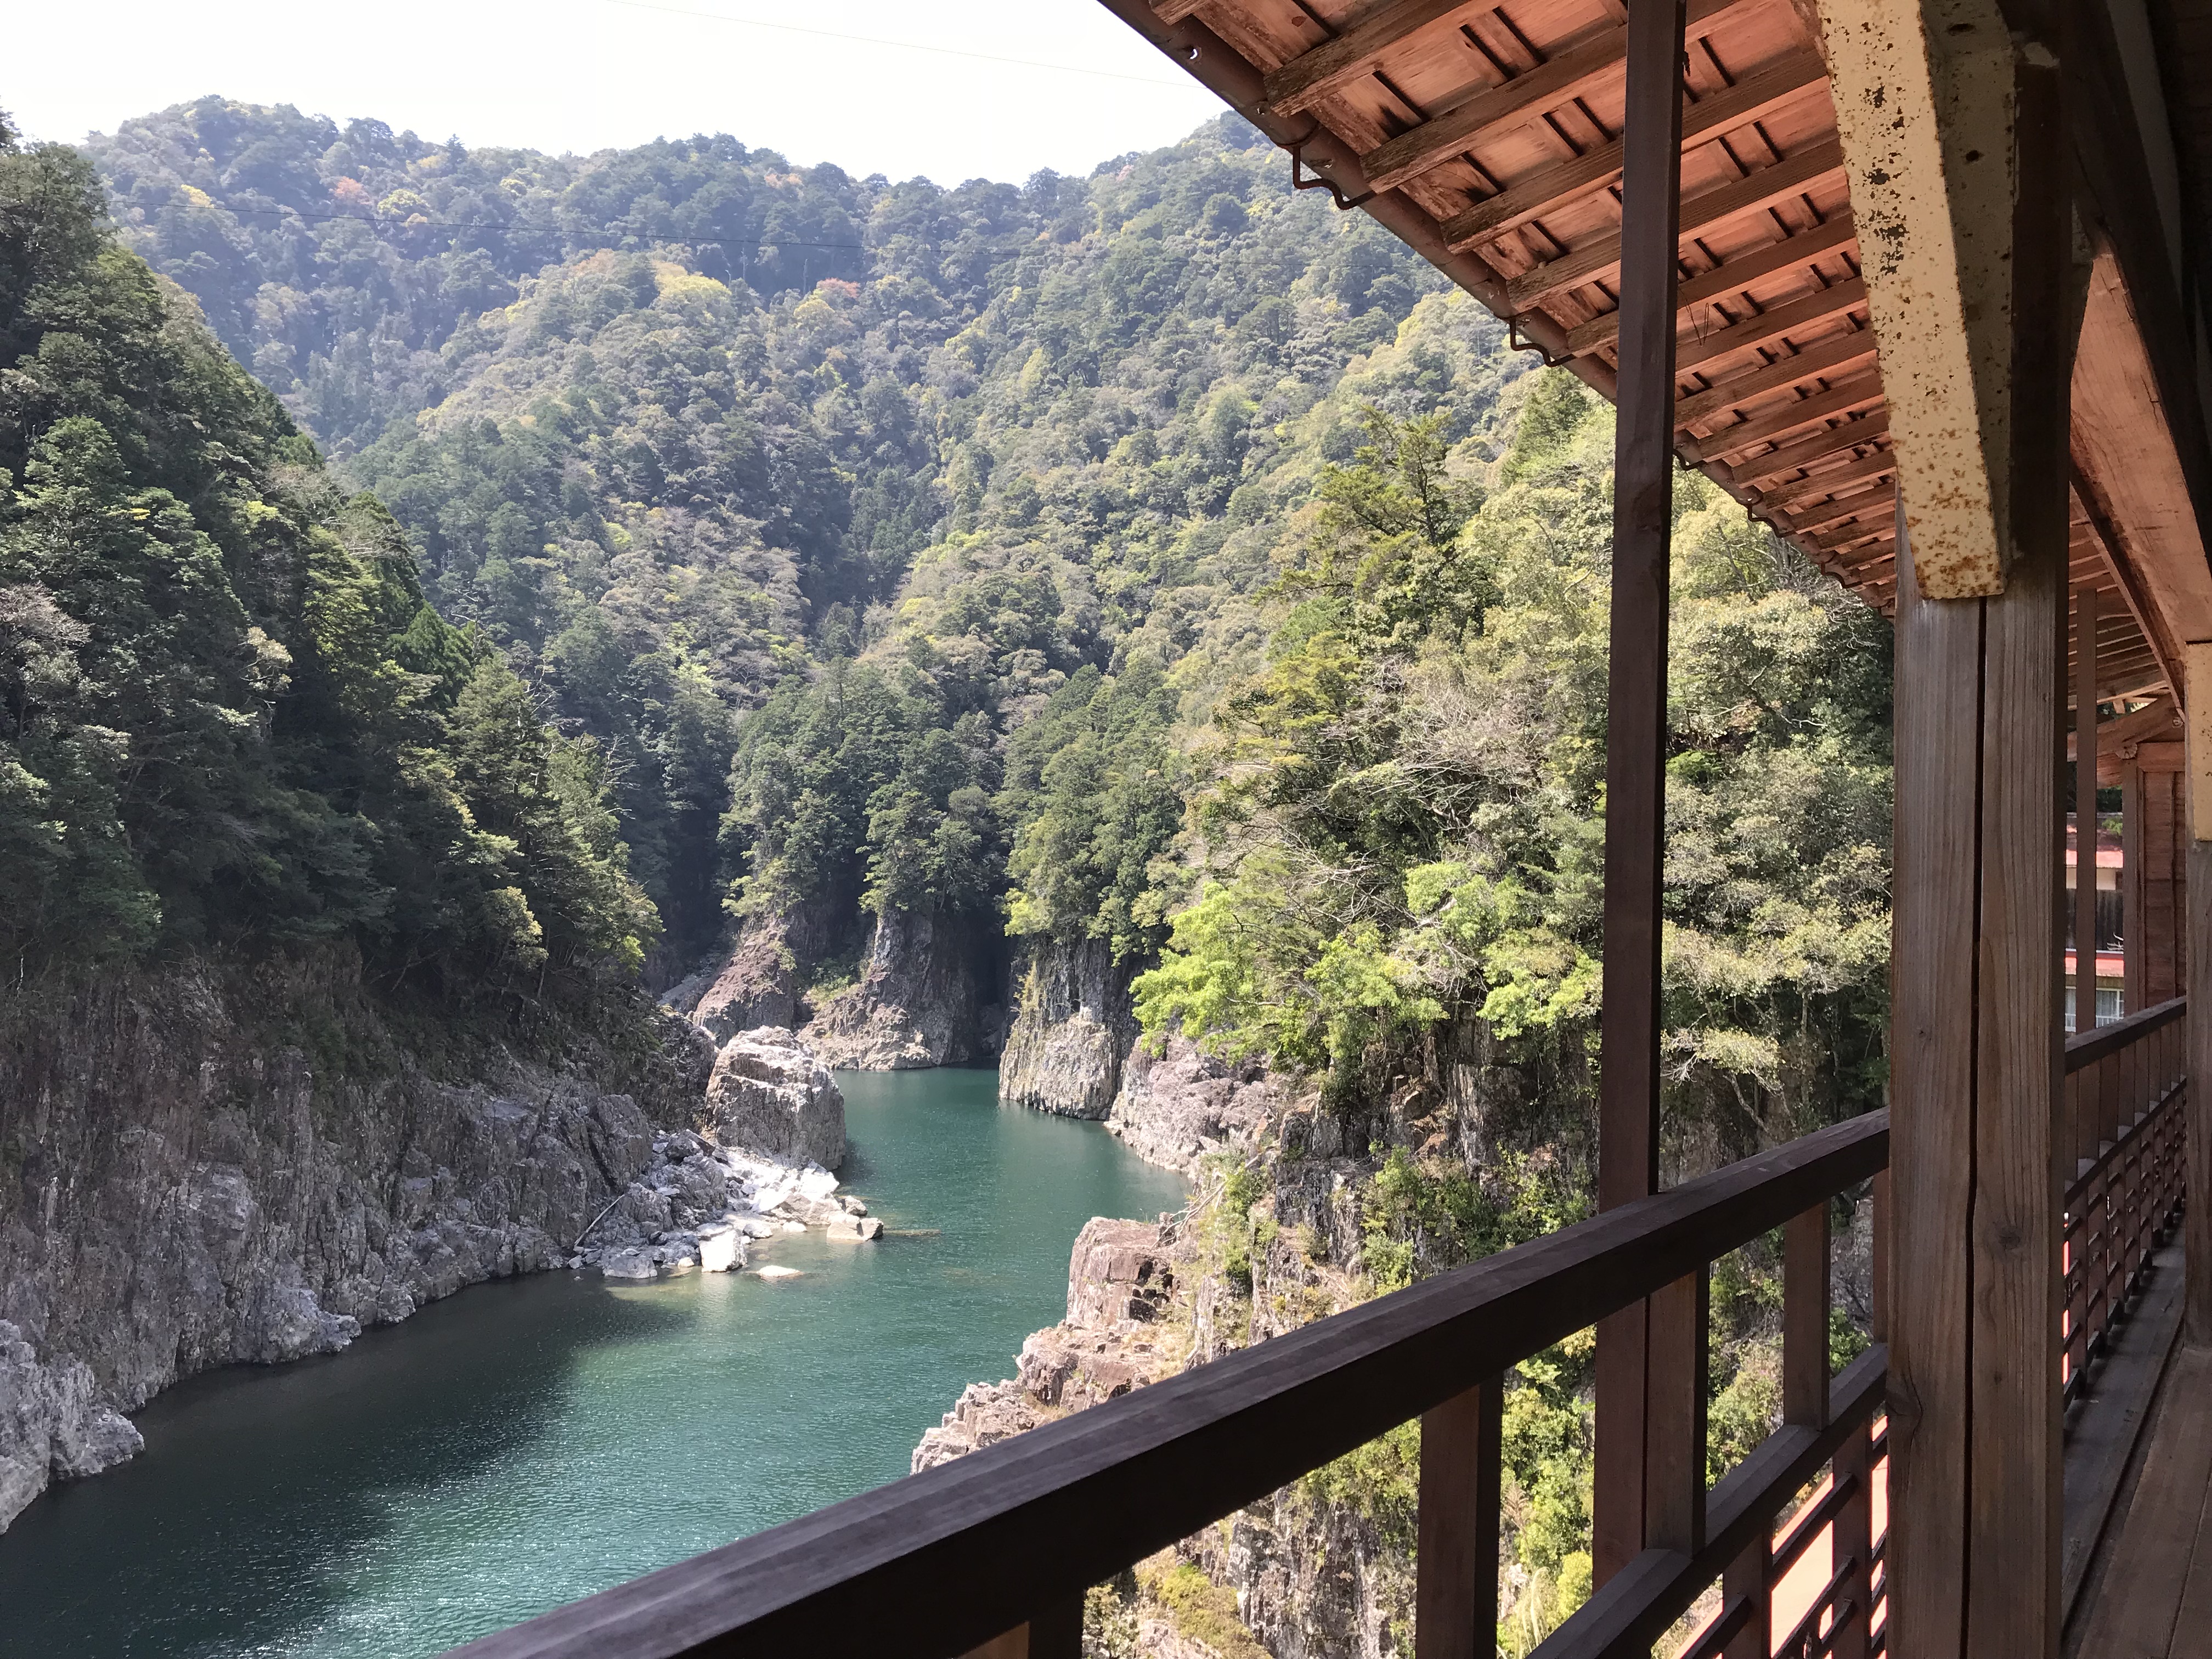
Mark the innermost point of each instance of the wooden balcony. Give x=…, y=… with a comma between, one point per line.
x=991, y=1555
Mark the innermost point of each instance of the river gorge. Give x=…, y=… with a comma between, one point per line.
x=535, y=1439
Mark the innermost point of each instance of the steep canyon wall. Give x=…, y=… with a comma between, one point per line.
x=206, y=1165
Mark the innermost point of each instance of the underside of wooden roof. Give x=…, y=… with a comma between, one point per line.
x=1487, y=136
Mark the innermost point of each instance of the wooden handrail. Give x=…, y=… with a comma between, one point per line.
x=940, y=1562
x=2086, y=1048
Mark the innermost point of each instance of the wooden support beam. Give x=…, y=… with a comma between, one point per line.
x=1817, y=360
x=2131, y=889
x=2085, y=809
x=1792, y=177
x=1806, y=310
x=1858, y=530
x=2196, y=1225
x=1752, y=98
x=1725, y=281
x=1805, y=1320
x=1456, y=1576
x=1828, y=441
x=1881, y=462
x=1559, y=79
x=1976, y=1053
x=1862, y=392
x=1335, y=63
x=1835, y=512
x=1636, y=742
x=1674, y=1439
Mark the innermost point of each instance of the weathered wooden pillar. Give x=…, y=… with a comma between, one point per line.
x=1635, y=771
x=2131, y=888
x=2085, y=808
x=1951, y=130
x=2197, y=1216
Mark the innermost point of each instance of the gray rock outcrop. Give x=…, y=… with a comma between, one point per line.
x=54, y=1425
x=927, y=999
x=762, y=979
x=1175, y=1106
x=769, y=1093
x=1121, y=1276
x=215, y=1164
x=1073, y=1026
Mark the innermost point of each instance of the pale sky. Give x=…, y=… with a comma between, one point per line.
x=584, y=75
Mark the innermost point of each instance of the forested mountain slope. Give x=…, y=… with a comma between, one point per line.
x=674, y=425
x=301, y=899
x=1057, y=563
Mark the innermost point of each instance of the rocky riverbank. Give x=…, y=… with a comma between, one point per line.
x=255, y=1163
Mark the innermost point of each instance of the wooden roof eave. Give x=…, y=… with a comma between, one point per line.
x=1759, y=373
x=1497, y=150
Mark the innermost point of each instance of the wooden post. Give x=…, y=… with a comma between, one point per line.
x=1805, y=1320
x=2131, y=889
x=2197, y=1216
x=1635, y=823
x=2085, y=808
x=1977, y=1054
x=1455, y=1570
x=1675, y=1469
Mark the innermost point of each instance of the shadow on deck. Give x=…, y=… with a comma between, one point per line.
x=2138, y=1550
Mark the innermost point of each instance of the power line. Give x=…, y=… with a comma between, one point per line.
x=901, y=45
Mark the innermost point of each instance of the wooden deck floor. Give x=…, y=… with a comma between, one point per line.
x=2154, y=1600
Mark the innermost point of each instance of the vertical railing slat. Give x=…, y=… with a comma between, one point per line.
x=1675, y=1440
x=1456, y=1571
x=1805, y=1318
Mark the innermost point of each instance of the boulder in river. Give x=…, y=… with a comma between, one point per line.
x=722, y=1248
x=769, y=1094
x=634, y=1262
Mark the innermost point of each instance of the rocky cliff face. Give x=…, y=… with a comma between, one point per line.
x=1301, y=1574
x=210, y=1165
x=1072, y=1025
x=1121, y=1277
x=768, y=1094
x=1174, y=1107
x=761, y=979
x=930, y=996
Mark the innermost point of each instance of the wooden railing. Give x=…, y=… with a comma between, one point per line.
x=998, y=1548
x=2123, y=1121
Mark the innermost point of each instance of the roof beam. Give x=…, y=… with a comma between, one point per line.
x=1731, y=278
x=1845, y=399
x=1832, y=513
x=1819, y=446
x=1755, y=192
x=1335, y=63
x=1870, y=466
x=1823, y=305
x=1823, y=357
x=1750, y=99
x=1561, y=78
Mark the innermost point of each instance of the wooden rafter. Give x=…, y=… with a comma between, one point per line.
x=1747, y=100
x=1559, y=79
x=1732, y=278
x=1822, y=164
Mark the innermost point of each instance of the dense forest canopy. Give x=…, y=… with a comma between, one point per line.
x=1160, y=558
x=676, y=426
x=227, y=711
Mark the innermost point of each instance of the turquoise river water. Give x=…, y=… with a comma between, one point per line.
x=527, y=1442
